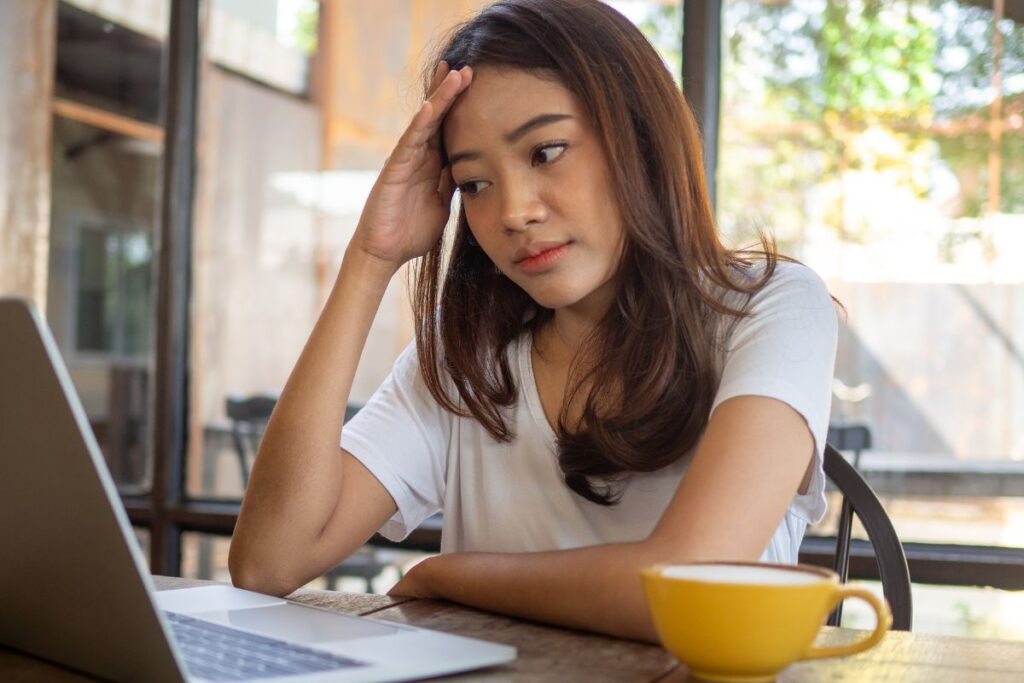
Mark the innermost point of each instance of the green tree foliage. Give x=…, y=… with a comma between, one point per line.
x=816, y=90
x=306, y=25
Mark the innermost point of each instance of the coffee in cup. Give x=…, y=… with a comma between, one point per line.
x=749, y=621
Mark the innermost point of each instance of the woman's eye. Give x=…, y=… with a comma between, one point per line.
x=547, y=153
x=472, y=187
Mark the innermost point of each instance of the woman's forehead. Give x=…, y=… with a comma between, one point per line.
x=499, y=100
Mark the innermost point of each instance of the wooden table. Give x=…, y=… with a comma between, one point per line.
x=553, y=654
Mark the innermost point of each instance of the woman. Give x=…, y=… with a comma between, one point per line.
x=583, y=342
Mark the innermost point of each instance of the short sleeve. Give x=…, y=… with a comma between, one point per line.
x=402, y=435
x=786, y=349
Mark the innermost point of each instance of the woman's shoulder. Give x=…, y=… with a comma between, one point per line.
x=794, y=279
x=408, y=369
x=789, y=282
x=793, y=300
x=792, y=297
x=408, y=360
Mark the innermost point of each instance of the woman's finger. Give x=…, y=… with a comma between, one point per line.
x=453, y=85
x=440, y=71
x=426, y=121
x=450, y=88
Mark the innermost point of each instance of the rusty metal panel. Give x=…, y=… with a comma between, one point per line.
x=374, y=52
x=27, y=49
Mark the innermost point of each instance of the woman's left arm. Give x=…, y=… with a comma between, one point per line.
x=748, y=466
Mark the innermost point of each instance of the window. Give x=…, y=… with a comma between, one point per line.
x=271, y=41
x=113, y=290
x=106, y=165
x=881, y=144
x=661, y=22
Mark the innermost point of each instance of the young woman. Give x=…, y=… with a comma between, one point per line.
x=597, y=384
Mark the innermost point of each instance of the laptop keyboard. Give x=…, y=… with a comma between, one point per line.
x=221, y=653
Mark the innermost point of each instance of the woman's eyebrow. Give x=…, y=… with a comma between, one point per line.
x=535, y=122
x=513, y=136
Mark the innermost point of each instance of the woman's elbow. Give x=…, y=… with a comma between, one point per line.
x=250, y=574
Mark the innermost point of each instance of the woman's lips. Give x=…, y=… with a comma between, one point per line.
x=543, y=261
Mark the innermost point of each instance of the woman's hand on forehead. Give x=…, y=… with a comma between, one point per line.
x=423, y=136
x=425, y=127
x=409, y=205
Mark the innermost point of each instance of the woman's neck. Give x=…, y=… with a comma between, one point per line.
x=559, y=341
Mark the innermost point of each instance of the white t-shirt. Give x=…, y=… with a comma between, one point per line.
x=511, y=497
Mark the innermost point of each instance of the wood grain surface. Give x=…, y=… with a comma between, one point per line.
x=547, y=653
x=905, y=658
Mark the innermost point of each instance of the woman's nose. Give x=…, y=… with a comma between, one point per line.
x=521, y=206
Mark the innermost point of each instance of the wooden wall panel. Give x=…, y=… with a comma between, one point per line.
x=27, y=49
x=374, y=52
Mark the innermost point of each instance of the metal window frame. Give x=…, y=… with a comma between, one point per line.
x=702, y=76
x=169, y=400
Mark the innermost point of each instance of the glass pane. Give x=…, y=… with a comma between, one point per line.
x=142, y=537
x=204, y=556
x=994, y=521
x=369, y=570
x=880, y=142
x=950, y=611
x=104, y=206
x=103, y=60
x=274, y=215
x=662, y=22
x=269, y=40
x=97, y=290
x=880, y=169
x=257, y=238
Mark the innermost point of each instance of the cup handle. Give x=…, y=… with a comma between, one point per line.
x=884, y=621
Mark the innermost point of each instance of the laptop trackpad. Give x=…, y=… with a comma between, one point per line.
x=300, y=624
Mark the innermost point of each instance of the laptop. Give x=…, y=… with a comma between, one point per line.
x=74, y=587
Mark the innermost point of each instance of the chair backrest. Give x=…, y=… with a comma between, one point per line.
x=850, y=436
x=859, y=499
x=249, y=417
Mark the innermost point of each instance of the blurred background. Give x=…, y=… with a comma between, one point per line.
x=880, y=141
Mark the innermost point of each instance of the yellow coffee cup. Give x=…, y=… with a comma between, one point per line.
x=745, y=621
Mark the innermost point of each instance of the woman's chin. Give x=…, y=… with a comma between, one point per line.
x=575, y=294
x=555, y=300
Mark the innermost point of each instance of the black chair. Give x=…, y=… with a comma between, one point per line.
x=859, y=499
x=249, y=416
x=850, y=436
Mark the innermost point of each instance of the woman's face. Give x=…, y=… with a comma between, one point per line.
x=535, y=187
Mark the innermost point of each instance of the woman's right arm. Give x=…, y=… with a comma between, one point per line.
x=307, y=507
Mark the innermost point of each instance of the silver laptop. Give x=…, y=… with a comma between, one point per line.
x=74, y=588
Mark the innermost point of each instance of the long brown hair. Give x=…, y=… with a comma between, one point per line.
x=653, y=383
